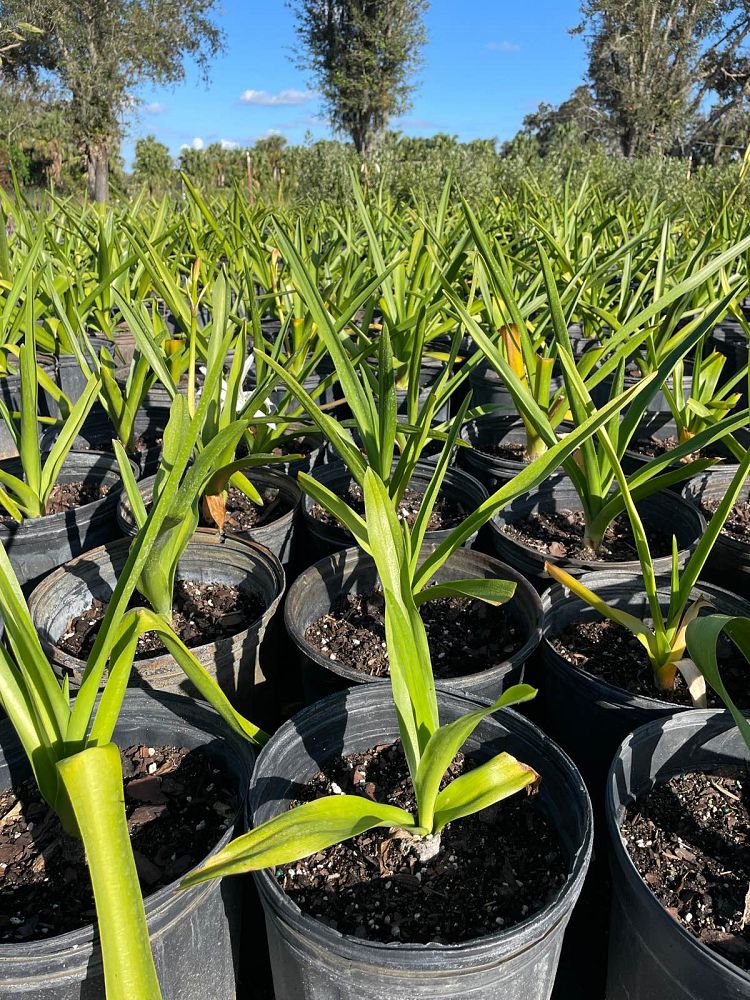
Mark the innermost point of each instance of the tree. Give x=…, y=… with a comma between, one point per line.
x=152, y=165
x=579, y=115
x=362, y=54
x=653, y=64
x=101, y=51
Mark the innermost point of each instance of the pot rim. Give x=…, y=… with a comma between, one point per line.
x=489, y=949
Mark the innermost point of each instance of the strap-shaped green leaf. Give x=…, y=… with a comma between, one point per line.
x=483, y=589
x=412, y=681
x=445, y=744
x=93, y=782
x=66, y=438
x=300, y=832
x=339, y=438
x=130, y=485
x=491, y=782
x=337, y=507
x=702, y=642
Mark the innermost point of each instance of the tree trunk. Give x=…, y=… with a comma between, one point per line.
x=98, y=171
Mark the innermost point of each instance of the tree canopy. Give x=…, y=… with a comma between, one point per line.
x=363, y=55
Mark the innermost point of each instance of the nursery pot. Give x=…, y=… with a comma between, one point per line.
x=332, y=395
x=589, y=717
x=729, y=561
x=661, y=426
x=97, y=434
x=234, y=661
x=66, y=372
x=195, y=934
x=41, y=544
x=489, y=389
x=651, y=955
x=493, y=471
x=327, y=538
x=600, y=393
x=429, y=372
x=668, y=509
x=278, y=536
x=311, y=961
x=730, y=339
x=352, y=571
x=10, y=393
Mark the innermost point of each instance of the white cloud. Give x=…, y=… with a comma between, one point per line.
x=503, y=47
x=197, y=143
x=229, y=144
x=283, y=98
x=155, y=108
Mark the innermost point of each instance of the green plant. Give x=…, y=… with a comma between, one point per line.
x=592, y=470
x=68, y=740
x=429, y=747
x=703, y=636
x=27, y=496
x=664, y=637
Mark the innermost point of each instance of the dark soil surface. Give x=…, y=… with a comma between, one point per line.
x=203, y=612
x=508, y=451
x=608, y=651
x=493, y=870
x=653, y=446
x=690, y=841
x=738, y=523
x=560, y=533
x=244, y=515
x=69, y=496
x=464, y=635
x=445, y=514
x=178, y=806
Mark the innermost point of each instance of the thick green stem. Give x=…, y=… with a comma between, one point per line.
x=93, y=782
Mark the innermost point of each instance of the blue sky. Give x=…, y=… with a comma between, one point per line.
x=486, y=65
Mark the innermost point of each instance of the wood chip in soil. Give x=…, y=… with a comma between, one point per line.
x=560, y=534
x=737, y=525
x=494, y=869
x=688, y=838
x=178, y=803
x=610, y=652
x=203, y=612
x=244, y=515
x=446, y=513
x=464, y=635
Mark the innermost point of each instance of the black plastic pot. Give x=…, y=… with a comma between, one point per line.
x=600, y=393
x=684, y=521
x=328, y=538
x=278, y=536
x=67, y=373
x=41, y=544
x=10, y=393
x=493, y=471
x=661, y=426
x=429, y=372
x=587, y=716
x=730, y=339
x=489, y=389
x=237, y=662
x=729, y=561
x=195, y=935
x=328, y=398
x=311, y=961
x=651, y=956
x=353, y=572
x=97, y=434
